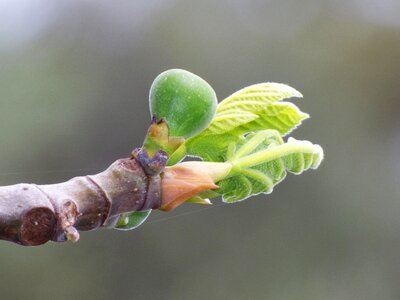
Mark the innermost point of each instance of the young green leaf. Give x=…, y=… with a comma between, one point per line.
x=251, y=109
x=133, y=220
x=256, y=108
x=253, y=97
x=261, y=161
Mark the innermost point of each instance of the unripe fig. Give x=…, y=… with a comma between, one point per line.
x=186, y=101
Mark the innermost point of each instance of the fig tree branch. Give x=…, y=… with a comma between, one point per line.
x=33, y=214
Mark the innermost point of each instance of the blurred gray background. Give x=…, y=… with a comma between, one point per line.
x=74, y=81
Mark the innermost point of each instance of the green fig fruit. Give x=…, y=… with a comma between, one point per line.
x=186, y=101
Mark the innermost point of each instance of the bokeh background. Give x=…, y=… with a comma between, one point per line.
x=74, y=81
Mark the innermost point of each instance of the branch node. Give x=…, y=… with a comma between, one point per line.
x=152, y=167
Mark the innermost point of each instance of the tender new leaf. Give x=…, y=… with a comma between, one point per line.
x=251, y=109
x=262, y=160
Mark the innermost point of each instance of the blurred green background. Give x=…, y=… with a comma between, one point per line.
x=74, y=81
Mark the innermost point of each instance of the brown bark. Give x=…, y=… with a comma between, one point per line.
x=34, y=214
